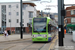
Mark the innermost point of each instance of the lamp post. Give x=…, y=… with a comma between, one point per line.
x=21, y=19
x=10, y=20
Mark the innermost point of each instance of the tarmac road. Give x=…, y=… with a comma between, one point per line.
x=25, y=45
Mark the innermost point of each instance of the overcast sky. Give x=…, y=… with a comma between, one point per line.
x=42, y=5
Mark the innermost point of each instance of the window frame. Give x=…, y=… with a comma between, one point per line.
x=17, y=21
x=9, y=13
x=9, y=20
x=17, y=6
x=72, y=20
x=30, y=20
x=30, y=14
x=17, y=13
x=9, y=6
x=72, y=12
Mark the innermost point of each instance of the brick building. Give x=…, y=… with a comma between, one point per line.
x=70, y=18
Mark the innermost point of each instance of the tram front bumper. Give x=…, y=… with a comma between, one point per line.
x=39, y=39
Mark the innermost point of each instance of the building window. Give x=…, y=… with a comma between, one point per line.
x=17, y=13
x=9, y=13
x=9, y=6
x=24, y=6
x=72, y=12
x=72, y=20
x=16, y=6
x=3, y=16
x=17, y=20
x=9, y=20
x=30, y=20
x=30, y=14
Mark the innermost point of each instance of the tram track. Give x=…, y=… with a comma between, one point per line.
x=26, y=48
x=28, y=40
x=42, y=46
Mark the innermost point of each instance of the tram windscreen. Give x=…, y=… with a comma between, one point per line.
x=39, y=24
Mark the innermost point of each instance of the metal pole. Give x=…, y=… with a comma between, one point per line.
x=15, y=20
x=41, y=13
x=21, y=19
x=60, y=23
x=63, y=18
x=10, y=20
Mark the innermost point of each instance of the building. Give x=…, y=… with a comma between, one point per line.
x=10, y=15
x=45, y=14
x=70, y=18
x=55, y=16
x=38, y=12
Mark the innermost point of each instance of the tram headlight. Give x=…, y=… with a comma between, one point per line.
x=49, y=34
x=45, y=36
x=34, y=35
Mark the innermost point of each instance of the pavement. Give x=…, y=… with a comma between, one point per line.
x=68, y=42
x=14, y=37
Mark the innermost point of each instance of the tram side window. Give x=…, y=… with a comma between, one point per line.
x=49, y=28
x=52, y=29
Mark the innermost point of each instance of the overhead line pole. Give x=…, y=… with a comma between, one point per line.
x=60, y=25
x=63, y=18
x=21, y=29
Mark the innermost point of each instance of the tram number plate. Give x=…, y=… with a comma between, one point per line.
x=39, y=35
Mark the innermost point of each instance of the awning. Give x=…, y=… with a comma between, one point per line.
x=70, y=25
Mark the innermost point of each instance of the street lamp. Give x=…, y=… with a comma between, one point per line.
x=21, y=19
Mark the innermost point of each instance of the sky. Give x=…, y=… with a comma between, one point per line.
x=42, y=5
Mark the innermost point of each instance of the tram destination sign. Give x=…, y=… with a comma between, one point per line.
x=33, y=0
x=40, y=19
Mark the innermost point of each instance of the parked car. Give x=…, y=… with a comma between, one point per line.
x=1, y=32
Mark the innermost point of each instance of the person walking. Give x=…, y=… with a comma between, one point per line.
x=5, y=33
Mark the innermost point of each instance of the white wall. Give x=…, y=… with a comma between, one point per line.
x=13, y=16
x=0, y=16
x=56, y=18
x=26, y=14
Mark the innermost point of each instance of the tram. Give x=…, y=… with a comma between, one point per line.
x=43, y=29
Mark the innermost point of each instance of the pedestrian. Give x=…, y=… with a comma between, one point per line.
x=5, y=33
x=71, y=32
